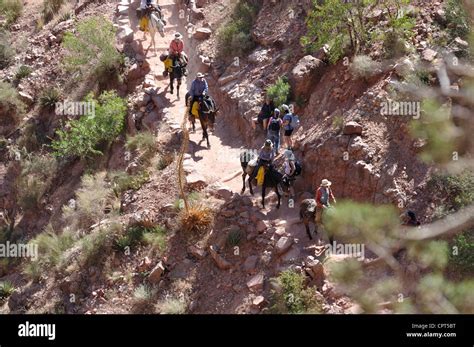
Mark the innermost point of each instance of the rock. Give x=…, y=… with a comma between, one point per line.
x=228, y=213
x=259, y=56
x=306, y=74
x=195, y=180
x=201, y=3
x=197, y=252
x=440, y=16
x=122, y=10
x=315, y=269
x=219, y=260
x=352, y=128
x=283, y=245
x=197, y=14
x=144, y=265
x=155, y=274
x=250, y=263
x=256, y=282
x=258, y=301
x=150, y=120
x=225, y=192
x=429, y=54
x=26, y=98
x=261, y=226
x=461, y=42
x=125, y=34
x=202, y=33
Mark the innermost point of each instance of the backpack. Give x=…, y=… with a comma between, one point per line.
x=274, y=124
x=298, y=168
x=295, y=122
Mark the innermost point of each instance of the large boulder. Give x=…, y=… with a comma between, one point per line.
x=202, y=33
x=352, y=128
x=306, y=74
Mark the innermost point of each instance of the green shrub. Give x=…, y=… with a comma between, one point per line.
x=156, y=238
x=172, y=306
x=364, y=67
x=37, y=173
x=6, y=289
x=234, y=237
x=153, y=236
x=11, y=10
x=50, y=9
x=459, y=23
x=165, y=160
x=98, y=244
x=144, y=143
x=91, y=52
x=455, y=191
x=143, y=293
x=6, y=51
x=462, y=255
x=234, y=38
x=49, y=97
x=22, y=72
x=51, y=249
x=88, y=132
x=11, y=107
x=92, y=199
x=122, y=181
x=292, y=296
x=279, y=91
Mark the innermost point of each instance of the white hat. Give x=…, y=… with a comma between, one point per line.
x=289, y=154
x=199, y=75
x=268, y=143
x=277, y=110
x=178, y=36
x=285, y=107
x=325, y=183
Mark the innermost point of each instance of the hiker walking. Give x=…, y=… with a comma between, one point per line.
x=323, y=197
x=287, y=126
x=274, y=129
x=290, y=169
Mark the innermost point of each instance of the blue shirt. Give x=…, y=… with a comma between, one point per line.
x=198, y=88
x=288, y=117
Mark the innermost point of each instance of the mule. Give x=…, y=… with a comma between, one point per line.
x=272, y=178
x=207, y=115
x=308, y=209
x=155, y=23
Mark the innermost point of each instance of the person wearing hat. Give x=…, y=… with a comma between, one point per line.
x=176, y=45
x=287, y=127
x=273, y=129
x=265, y=157
x=290, y=170
x=199, y=88
x=323, y=196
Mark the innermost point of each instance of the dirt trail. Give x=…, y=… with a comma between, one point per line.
x=220, y=163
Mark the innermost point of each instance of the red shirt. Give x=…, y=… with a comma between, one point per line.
x=319, y=194
x=176, y=47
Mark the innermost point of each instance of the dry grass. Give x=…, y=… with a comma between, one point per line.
x=197, y=219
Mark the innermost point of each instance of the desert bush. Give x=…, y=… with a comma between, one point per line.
x=10, y=104
x=6, y=289
x=364, y=67
x=459, y=23
x=234, y=38
x=11, y=10
x=279, y=91
x=92, y=199
x=152, y=236
x=49, y=97
x=165, y=160
x=88, y=132
x=37, y=173
x=6, y=51
x=455, y=190
x=144, y=143
x=122, y=181
x=98, y=244
x=234, y=237
x=91, y=52
x=172, y=306
x=22, y=72
x=461, y=257
x=50, y=9
x=156, y=238
x=292, y=296
x=197, y=218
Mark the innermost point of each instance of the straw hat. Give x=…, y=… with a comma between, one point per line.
x=325, y=183
x=199, y=75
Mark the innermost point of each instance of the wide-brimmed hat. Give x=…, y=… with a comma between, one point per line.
x=268, y=143
x=289, y=154
x=199, y=75
x=277, y=110
x=285, y=107
x=325, y=183
x=178, y=36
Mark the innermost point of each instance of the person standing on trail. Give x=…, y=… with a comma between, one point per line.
x=290, y=171
x=323, y=196
x=287, y=126
x=266, y=112
x=199, y=88
x=273, y=130
x=176, y=45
